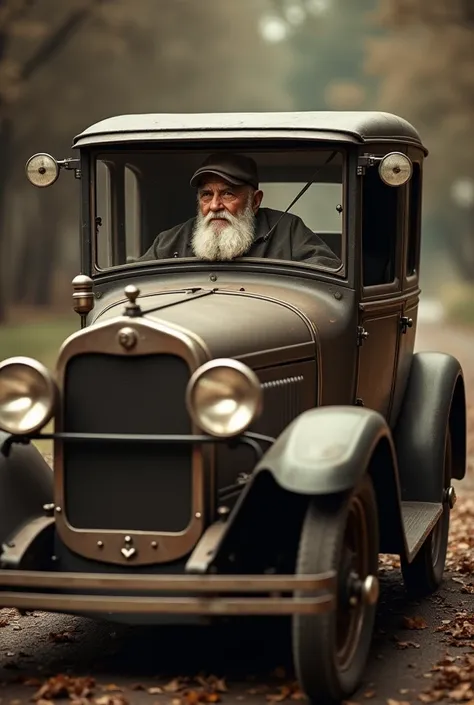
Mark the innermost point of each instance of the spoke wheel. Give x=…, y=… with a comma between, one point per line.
x=330, y=650
x=425, y=573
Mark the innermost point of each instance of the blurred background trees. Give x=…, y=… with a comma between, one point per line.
x=65, y=65
x=424, y=65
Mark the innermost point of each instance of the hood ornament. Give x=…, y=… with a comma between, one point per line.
x=132, y=309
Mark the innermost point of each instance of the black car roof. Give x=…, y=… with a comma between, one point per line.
x=360, y=126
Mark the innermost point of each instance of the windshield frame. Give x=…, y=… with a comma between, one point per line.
x=89, y=158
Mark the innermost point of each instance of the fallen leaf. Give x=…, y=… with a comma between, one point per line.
x=62, y=637
x=289, y=691
x=174, y=686
x=283, y=694
x=414, y=623
x=61, y=686
x=407, y=645
x=111, y=700
x=111, y=687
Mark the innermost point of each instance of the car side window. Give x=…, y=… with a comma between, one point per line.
x=380, y=228
x=414, y=221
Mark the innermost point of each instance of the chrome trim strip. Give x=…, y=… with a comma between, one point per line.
x=210, y=605
x=186, y=583
x=168, y=605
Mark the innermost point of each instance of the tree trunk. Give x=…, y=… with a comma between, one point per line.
x=5, y=152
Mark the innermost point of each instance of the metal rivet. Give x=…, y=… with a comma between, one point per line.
x=58, y=510
x=100, y=544
x=128, y=539
x=213, y=278
x=223, y=511
x=154, y=544
x=198, y=515
x=338, y=295
x=54, y=558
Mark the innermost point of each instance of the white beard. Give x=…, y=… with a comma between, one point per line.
x=224, y=242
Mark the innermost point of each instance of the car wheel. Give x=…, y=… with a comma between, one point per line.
x=330, y=650
x=425, y=573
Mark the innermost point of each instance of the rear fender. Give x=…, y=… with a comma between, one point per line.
x=435, y=397
x=26, y=484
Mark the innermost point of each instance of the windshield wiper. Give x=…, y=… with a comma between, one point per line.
x=303, y=190
x=196, y=293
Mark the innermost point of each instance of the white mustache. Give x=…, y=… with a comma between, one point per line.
x=220, y=215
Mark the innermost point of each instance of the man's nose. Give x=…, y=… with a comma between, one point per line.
x=216, y=203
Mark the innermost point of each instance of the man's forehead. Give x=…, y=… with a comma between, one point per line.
x=216, y=182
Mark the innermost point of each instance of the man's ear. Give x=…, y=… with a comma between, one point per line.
x=257, y=199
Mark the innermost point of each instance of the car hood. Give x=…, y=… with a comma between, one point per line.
x=235, y=324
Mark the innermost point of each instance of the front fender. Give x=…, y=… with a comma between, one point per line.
x=26, y=483
x=326, y=450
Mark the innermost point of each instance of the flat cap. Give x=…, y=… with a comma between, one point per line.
x=235, y=168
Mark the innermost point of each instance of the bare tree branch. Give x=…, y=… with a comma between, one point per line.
x=58, y=39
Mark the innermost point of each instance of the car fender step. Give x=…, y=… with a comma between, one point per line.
x=419, y=518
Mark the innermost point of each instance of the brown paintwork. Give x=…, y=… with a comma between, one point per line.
x=269, y=323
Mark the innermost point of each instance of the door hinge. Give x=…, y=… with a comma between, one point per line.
x=405, y=324
x=362, y=335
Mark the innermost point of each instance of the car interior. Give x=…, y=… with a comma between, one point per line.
x=153, y=194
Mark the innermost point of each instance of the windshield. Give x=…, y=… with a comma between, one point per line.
x=146, y=210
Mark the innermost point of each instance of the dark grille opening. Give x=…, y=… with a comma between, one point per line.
x=127, y=486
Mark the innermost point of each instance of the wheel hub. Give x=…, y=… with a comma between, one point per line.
x=365, y=591
x=450, y=496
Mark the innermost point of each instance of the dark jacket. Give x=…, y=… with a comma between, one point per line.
x=289, y=240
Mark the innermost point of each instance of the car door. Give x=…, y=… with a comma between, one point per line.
x=381, y=306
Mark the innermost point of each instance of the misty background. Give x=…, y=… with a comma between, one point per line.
x=65, y=64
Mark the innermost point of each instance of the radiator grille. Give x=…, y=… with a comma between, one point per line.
x=127, y=486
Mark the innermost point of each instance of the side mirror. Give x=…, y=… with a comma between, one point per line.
x=395, y=169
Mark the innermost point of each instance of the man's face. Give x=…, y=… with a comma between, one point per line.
x=226, y=219
x=216, y=195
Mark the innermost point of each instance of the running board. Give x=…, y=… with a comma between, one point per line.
x=419, y=518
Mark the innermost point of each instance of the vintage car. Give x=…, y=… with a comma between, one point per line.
x=243, y=436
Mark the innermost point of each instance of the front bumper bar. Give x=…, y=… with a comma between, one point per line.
x=213, y=594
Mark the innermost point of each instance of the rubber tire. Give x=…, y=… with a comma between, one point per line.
x=423, y=576
x=314, y=637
